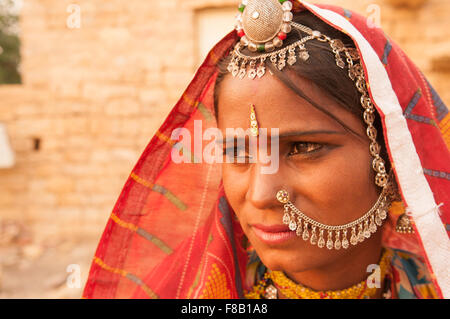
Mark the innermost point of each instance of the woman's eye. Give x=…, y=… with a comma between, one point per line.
x=304, y=148
x=235, y=152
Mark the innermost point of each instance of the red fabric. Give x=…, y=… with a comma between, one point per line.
x=172, y=233
x=427, y=120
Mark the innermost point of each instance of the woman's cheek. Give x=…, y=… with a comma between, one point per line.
x=235, y=192
x=330, y=187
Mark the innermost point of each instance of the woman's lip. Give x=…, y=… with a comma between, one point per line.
x=275, y=234
x=272, y=228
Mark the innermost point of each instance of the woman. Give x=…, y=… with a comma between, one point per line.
x=340, y=189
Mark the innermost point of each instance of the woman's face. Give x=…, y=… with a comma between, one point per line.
x=325, y=168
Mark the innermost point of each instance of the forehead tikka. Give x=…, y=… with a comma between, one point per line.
x=254, y=128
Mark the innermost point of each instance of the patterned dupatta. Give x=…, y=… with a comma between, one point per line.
x=172, y=233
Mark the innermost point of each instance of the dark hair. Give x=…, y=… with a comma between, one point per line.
x=321, y=69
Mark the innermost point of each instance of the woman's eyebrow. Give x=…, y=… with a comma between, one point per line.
x=286, y=134
x=311, y=132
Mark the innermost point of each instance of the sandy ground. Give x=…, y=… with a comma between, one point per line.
x=50, y=269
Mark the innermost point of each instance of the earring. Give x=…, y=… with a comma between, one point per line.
x=404, y=225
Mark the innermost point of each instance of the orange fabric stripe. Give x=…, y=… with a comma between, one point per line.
x=117, y=271
x=165, y=138
x=141, y=181
x=444, y=125
x=162, y=190
x=190, y=101
x=125, y=273
x=141, y=232
x=117, y=220
x=149, y=292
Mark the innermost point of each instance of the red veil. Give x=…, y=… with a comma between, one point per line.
x=172, y=233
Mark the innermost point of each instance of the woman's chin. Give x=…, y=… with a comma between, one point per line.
x=279, y=259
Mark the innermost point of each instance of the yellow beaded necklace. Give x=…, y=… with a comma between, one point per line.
x=281, y=283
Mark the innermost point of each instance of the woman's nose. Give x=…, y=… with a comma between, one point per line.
x=263, y=188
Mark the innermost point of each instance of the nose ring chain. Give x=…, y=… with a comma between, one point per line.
x=337, y=236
